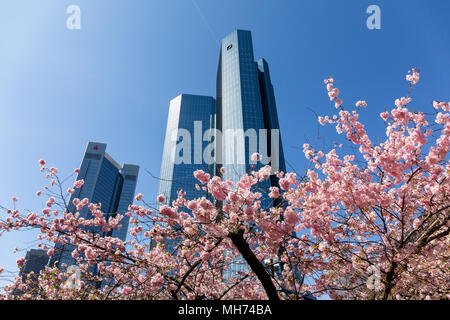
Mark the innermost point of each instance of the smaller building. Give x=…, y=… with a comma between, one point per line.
x=35, y=261
x=107, y=183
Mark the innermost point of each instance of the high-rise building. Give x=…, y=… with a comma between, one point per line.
x=35, y=261
x=245, y=115
x=246, y=108
x=186, y=145
x=106, y=183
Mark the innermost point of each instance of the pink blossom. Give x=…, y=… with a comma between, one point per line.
x=139, y=197
x=20, y=262
x=126, y=291
x=78, y=184
x=414, y=77
x=256, y=157
x=274, y=192
x=202, y=176
x=361, y=103
x=384, y=115
x=42, y=162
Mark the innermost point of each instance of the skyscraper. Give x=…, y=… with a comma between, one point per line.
x=186, y=145
x=35, y=260
x=107, y=183
x=245, y=115
x=246, y=107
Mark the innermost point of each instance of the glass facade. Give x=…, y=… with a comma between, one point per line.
x=246, y=101
x=240, y=103
x=35, y=261
x=245, y=104
x=105, y=183
x=192, y=115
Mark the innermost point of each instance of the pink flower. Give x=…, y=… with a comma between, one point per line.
x=51, y=252
x=402, y=102
x=39, y=193
x=333, y=94
x=321, y=121
x=14, y=199
x=139, y=197
x=222, y=170
x=202, y=176
x=338, y=103
x=160, y=198
x=274, y=192
x=384, y=115
x=70, y=191
x=416, y=223
x=20, y=262
x=205, y=256
x=91, y=254
x=126, y=291
x=256, y=157
x=290, y=216
x=1, y=270
x=78, y=184
x=414, y=77
x=77, y=170
x=42, y=162
x=361, y=103
x=167, y=211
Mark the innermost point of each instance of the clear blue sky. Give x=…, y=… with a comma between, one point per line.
x=112, y=80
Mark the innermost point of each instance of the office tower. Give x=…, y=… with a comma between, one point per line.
x=187, y=146
x=245, y=114
x=246, y=107
x=35, y=260
x=244, y=110
x=107, y=183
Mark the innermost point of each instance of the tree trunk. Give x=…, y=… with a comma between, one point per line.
x=237, y=237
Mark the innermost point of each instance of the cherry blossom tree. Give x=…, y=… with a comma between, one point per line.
x=373, y=224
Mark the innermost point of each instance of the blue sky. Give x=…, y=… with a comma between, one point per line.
x=112, y=80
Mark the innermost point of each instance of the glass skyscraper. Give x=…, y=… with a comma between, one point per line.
x=35, y=261
x=245, y=113
x=190, y=118
x=245, y=104
x=107, y=183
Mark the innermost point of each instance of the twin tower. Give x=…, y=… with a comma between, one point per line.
x=208, y=134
